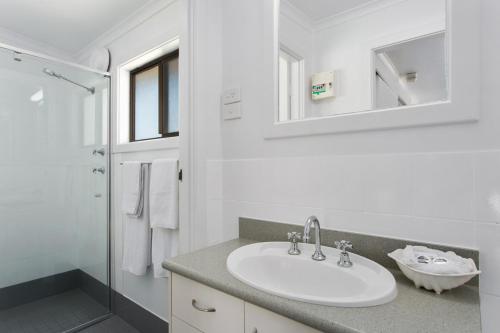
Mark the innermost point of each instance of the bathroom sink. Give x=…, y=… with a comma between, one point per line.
x=269, y=267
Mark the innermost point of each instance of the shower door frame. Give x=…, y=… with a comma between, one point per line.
x=107, y=75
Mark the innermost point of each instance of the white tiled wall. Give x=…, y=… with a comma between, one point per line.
x=50, y=220
x=487, y=215
x=490, y=320
x=427, y=197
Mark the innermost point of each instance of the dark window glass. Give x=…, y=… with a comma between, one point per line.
x=154, y=99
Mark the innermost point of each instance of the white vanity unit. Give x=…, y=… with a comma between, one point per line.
x=274, y=268
x=197, y=308
x=211, y=294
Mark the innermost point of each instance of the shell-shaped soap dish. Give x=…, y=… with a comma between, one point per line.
x=433, y=269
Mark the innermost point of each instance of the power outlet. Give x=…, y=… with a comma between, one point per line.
x=231, y=96
x=231, y=111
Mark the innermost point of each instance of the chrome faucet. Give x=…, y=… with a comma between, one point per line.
x=313, y=220
x=344, y=260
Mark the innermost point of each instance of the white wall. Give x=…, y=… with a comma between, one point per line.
x=89, y=207
x=48, y=206
x=33, y=190
x=207, y=67
x=436, y=183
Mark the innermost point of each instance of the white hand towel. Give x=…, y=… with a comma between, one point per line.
x=164, y=196
x=164, y=212
x=137, y=233
x=133, y=183
x=165, y=245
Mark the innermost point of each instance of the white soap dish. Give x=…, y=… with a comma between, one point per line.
x=433, y=269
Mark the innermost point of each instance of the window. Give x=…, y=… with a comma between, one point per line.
x=154, y=99
x=291, y=81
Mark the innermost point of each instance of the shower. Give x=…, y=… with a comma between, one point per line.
x=61, y=77
x=54, y=209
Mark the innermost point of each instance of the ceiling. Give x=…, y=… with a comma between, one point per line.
x=68, y=25
x=319, y=9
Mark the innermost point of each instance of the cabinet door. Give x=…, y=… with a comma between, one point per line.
x=258, y=320
x=178, y=326
x=205, y=308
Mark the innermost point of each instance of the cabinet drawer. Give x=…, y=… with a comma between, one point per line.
x=206, y=309
x=178, y=326
x=259, y=320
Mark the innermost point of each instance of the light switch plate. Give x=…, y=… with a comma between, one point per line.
x=231, y=111
x=231, y=96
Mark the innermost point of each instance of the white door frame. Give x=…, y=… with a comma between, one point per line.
x=187, y=136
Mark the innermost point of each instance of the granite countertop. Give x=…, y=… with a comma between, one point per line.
x=414, y=310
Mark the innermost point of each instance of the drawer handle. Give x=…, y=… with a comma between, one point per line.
x=197, y=307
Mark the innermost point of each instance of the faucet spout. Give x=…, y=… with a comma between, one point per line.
x=313, y=221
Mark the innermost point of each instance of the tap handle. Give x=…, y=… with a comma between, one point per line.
x=294, y=237
x=101, y=152
x=99, y=170
x=343, y=245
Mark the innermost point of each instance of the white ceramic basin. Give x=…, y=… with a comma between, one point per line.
x=268, y=267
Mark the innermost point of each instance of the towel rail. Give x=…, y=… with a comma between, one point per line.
x=180, y=170
x=121, y=163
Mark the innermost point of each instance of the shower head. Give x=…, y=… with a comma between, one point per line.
x=51, y=73
x=48, y=72
x=59, y=76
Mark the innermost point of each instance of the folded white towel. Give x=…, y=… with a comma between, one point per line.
x=436, y=262
x=137, y=231
x=164, y=196
x=133, y=184
x=164, y=212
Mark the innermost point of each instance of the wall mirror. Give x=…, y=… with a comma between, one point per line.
x=339, y=57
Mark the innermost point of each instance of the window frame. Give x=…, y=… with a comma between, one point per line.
x=162, y=108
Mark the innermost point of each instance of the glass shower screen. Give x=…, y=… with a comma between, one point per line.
x=54, y=261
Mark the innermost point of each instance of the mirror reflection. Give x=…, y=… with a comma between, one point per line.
x=345, y=56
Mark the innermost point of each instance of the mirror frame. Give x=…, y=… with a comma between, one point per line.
x=463, y=105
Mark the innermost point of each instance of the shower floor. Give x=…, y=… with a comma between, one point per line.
x=52, y=314
x=111, y=325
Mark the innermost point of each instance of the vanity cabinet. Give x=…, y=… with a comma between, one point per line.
x=204, y=308
x=259, y=320
x=197, y=308
x=178, y=326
